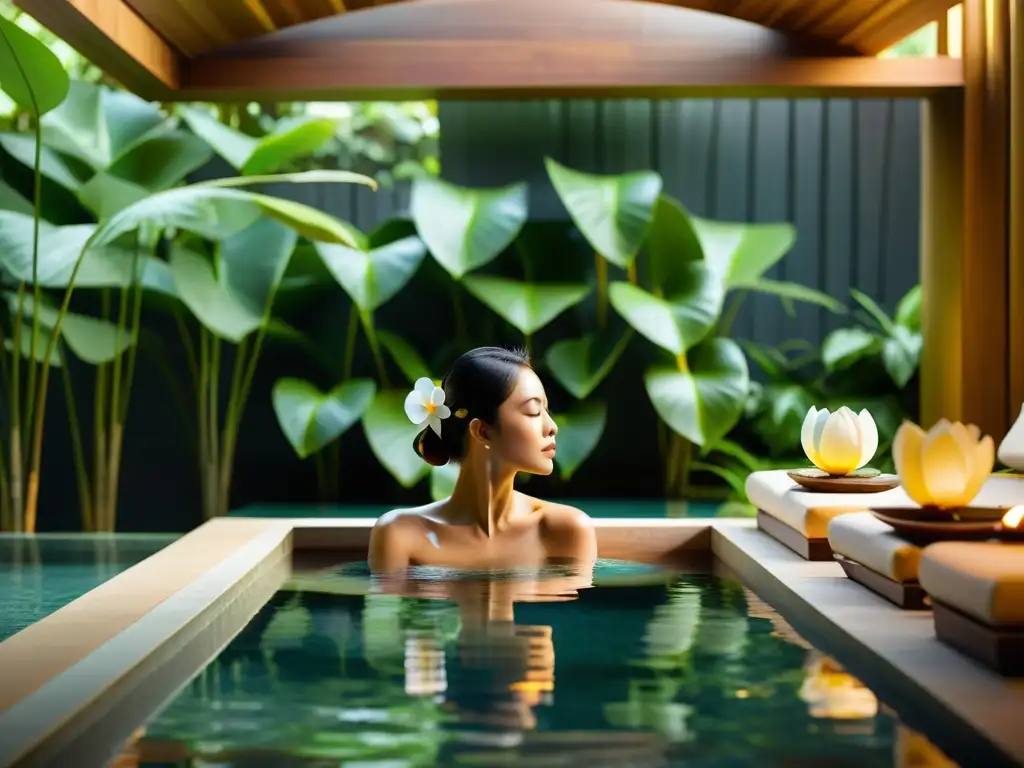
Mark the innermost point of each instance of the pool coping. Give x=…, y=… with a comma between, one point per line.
x=147, y=624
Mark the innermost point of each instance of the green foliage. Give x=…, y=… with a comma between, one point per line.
x=312, y=419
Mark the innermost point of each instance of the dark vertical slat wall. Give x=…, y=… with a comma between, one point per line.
x=845, y=173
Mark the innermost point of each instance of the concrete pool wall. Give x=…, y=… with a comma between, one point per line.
x=84, y=678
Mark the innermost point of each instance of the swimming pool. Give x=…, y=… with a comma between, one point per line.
x=650, y=667
x=41, y=574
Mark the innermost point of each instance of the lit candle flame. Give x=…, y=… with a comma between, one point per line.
x=1014, y=517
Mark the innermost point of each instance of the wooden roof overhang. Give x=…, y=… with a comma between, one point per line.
x=284, y=50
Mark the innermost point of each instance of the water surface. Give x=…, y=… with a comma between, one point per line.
x=648, y=668
x=41, y=574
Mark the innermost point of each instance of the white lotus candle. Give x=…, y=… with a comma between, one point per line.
x=839, y=443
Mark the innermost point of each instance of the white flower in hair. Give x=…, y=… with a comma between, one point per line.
x=425, y=405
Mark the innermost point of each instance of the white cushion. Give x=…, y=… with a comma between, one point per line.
x=983, y=579
x=773, y=492
x=864, y=538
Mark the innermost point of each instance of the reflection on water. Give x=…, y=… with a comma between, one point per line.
x=646, y=668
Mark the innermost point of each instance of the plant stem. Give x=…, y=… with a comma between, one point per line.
x=350, y=342
x=677, y=467
x=231, y=425
x=725, y=323
x=203, y=403
x=81, y=475
x=601, y=271
x=17, y=469
x=371, y=337
x=37, y=194
x=101, y=401
x=631, y=272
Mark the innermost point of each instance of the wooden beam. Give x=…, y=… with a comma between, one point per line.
x=414, y=69
x=965, y=370
x=114, y=38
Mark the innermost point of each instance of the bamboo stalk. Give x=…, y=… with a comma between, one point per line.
x=371, y=337
x=78, y=452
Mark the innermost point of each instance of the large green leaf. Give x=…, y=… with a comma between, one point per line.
x=59, y=249
x=466, y=228
x=371, y=278
x=613, y=212
x=216, y=211
x=901, y=354
x=90, y=339
x=681, y=320
x=740, y=253
x=232, y=145
x=390, y=435
x=580, y=365
x=253, y=262
x=908, y=311
x=25, y=347
x=408, y=360
x=30, y=73
x=93, y=340
x=11, y=200
x=312, y=419
x=844, y=346
x=792, y=292
x=107, y=195
x=212, y=303
x=527, y=306
x=163, y=161
x=671, y=246
x=705, y=400
x=579, y=432
x=22, y=147
x=292, y=139
x=99, y=125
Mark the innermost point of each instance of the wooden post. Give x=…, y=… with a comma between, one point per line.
x=1016, y=208
x=965, y=371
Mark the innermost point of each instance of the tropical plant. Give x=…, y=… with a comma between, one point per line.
x=678, y=268
x=698, y=381
x=894, y=341
x=870, y=365
x=33, y=78
x=104, y=150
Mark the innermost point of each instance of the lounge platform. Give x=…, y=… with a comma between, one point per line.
x=874, y=555
x=978, y=593
x=105, y=662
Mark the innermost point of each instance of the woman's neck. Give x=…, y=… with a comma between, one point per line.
x=484, y=492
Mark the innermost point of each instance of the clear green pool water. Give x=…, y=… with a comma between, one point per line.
x=649, y=668
x=41, y=574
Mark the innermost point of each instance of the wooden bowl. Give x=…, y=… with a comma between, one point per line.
x=862, y=481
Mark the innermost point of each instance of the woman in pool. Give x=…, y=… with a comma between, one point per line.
x=491, y=416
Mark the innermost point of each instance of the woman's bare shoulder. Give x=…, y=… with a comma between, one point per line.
x=561, y=517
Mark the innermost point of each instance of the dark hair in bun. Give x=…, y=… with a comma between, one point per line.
x=478, y=383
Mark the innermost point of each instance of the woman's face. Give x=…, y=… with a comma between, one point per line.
x=525, y=437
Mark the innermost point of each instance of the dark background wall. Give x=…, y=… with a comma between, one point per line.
x=846, y=173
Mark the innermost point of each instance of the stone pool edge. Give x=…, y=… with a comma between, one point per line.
x=188, y=580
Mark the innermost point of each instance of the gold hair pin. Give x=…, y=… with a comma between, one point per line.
x=461, y=413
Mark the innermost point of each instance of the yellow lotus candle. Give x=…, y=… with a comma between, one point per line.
x=944, y=467
x=839, y=443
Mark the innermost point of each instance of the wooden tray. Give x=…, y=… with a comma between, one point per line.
x=820, y=482
x=933, y=524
